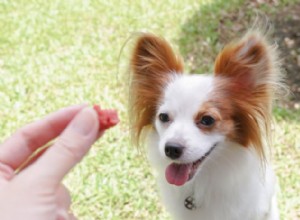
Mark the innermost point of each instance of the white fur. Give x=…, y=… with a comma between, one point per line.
x=230, y=184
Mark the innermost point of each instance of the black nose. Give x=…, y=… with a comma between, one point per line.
x=173, y=150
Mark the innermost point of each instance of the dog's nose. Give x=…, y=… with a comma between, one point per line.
x=173, y=150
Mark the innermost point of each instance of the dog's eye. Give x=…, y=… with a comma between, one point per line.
x=164, y=117
x=207, y=120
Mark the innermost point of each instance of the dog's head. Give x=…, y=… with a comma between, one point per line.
x=193, y=114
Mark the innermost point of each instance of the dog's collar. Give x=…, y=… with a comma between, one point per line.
x=189, y=203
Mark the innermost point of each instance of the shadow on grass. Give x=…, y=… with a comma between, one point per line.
x=199, y=41
x=287, y=114
x=218, y=22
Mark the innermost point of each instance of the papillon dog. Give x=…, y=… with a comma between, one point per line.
x=208, y=134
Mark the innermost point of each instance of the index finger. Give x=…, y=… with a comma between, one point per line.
x=16, y=149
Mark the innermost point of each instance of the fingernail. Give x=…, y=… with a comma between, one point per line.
x=85, y=122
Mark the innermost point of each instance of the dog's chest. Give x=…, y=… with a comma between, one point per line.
x=207, y=202
x=214, y=209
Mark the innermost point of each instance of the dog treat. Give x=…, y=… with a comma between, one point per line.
x=107, y=117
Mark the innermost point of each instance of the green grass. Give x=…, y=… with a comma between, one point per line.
x=286, y=161
x=58, y=53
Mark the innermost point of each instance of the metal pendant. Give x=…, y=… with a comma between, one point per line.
x=189, y=203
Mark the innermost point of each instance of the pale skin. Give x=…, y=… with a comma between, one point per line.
x=37, y=192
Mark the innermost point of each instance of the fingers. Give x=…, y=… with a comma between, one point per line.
x=64, y=203
x=68, y=149
x=6, y=174
x=32, y=158
x=16, y=149
x=63, y=197
x=72, y=217
x=64, y=215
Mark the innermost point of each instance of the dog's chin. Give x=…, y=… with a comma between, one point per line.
x=180, y=173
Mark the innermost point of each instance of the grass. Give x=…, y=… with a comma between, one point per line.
x=286, y=161
x=57, y=53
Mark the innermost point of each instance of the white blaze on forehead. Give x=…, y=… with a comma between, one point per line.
x=185, y=93
x=182, y=101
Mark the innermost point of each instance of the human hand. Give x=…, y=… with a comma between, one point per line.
x=36, y=193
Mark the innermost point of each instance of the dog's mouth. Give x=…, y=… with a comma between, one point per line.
x=178, y=174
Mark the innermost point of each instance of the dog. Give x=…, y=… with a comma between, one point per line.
x=208, y=134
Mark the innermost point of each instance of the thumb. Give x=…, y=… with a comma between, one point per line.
x=68, y=149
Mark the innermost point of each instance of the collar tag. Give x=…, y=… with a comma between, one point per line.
x=189, y=203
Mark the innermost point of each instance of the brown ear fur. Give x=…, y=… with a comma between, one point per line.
x=153, y=62
x=248, y=74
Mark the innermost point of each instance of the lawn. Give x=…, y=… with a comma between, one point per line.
x=57, y=53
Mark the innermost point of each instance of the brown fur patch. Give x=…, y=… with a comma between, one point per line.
x=152, y=64
x=246, y=75
x=221, y=112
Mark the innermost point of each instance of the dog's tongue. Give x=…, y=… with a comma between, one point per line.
x=178, y=174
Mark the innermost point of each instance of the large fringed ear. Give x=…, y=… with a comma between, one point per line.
x=250, y=71
x=249, y=62
x=153, y=63
x=153, y=55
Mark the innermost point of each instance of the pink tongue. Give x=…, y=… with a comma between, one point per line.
x=178, y=174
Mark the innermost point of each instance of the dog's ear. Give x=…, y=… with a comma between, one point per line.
x=248, y=62
x=249, y=70
x=153, y=63
x=153, y=57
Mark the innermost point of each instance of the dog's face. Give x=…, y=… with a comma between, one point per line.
x=187, y=126
x=193, y=114
x=183, y=121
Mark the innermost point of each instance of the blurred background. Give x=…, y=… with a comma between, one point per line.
x=62, y=52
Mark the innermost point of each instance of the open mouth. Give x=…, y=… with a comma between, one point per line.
x=178, y=174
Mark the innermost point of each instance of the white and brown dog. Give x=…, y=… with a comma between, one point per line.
x=208, y=134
